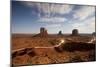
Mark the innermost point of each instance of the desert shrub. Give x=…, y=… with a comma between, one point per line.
x=21, y=52
x=14, y=54
x=29, y=61
x=31, y=53
x=92, y=55
x=28, y=51
x=76, y=58
x=58, y=49
x=67, y=47
x=54, y=42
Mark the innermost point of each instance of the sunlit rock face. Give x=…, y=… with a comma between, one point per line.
x=75, y=32
x=43, y=33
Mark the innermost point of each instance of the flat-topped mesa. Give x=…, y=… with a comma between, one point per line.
x=75, y=32
x=43, y=33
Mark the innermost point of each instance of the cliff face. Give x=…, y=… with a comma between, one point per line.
x=43, y=32
x=75, y=32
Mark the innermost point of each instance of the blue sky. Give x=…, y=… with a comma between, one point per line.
x=28, y=17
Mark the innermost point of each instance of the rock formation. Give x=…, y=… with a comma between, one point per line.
x=94, y=33
x=60, y=33
x=75, y=32
x=43, y=32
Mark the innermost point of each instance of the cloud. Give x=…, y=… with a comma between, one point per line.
x=49, y=9
x=55, y=14
x=53, y=26
x=87, y=26
x=84, y=12
x=52, y=20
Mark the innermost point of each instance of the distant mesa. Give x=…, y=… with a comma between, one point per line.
x=60, y=33
x=94, y=33
x=75, y=32
x=43, y=32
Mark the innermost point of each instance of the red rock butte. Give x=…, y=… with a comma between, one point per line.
x=43, y=32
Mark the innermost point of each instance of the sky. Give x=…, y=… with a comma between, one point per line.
x=28, y=17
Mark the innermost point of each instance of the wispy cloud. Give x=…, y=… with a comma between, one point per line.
x=50, y=9
x=86, y=25
x=52, y=20
x=64, y=17
x=84, y=12
x=53, y=26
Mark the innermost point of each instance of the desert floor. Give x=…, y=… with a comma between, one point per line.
x=29, y=50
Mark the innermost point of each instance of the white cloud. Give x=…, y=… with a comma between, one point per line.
x=47, y=11
x=84, y=12
x=53, y=26
x=50, y=9
x=52, y=19
x=87, y=26
x=30, y=4
x=60, y=8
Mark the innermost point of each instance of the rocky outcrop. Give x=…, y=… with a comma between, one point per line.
x=75, y=32
x=60, y=33
x=43, y=33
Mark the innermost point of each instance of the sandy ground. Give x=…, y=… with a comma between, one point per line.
x=47, y=55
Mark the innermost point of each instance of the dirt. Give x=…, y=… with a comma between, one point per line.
x=29, y=55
